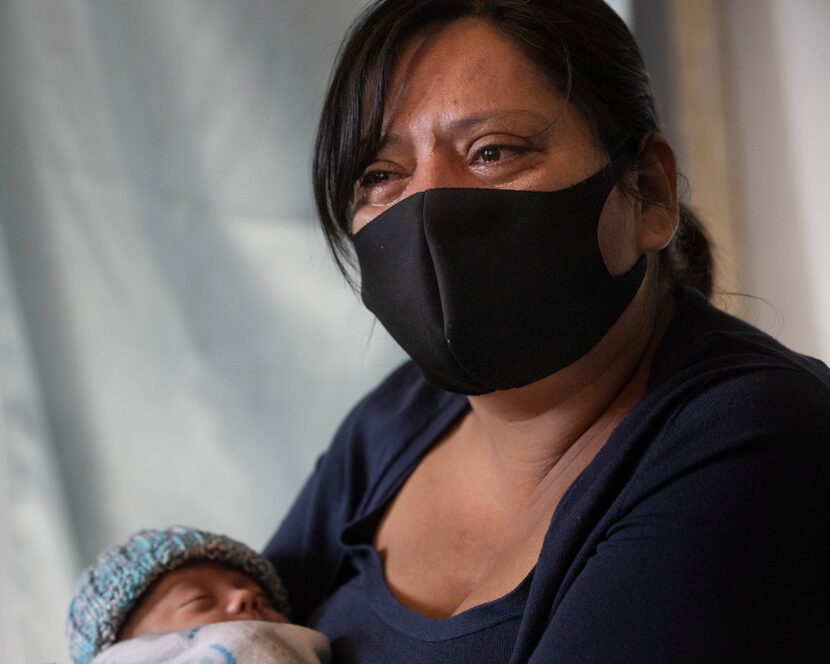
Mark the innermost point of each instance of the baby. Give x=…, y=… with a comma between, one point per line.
x=182, y=595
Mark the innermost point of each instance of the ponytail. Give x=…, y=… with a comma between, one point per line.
x=687, y=261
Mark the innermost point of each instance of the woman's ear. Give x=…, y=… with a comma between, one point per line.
x=656, y=184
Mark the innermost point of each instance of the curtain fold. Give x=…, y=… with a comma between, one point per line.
x=38, y=556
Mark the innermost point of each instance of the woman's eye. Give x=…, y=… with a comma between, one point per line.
x=494, y=154
x=490, y=153
x=379, y=187
x=374, y=178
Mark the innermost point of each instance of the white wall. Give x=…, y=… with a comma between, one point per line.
x=780, y=50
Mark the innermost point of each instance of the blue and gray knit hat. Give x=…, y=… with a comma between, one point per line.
x=108, y=590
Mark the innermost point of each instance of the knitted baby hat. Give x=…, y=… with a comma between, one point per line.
x=110, y=588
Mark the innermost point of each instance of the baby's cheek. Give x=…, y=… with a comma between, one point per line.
x=272, y=615
x=201, y=618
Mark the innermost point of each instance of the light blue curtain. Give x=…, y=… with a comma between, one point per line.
x=37, y=556
x=175, y=344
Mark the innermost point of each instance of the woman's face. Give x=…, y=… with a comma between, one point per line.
x=467, y=109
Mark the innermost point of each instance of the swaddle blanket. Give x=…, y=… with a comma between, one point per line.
x=240, y=642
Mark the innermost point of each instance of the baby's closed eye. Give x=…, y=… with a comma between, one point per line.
x=196, y=601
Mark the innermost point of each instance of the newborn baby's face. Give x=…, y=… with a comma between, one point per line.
x=198, y=593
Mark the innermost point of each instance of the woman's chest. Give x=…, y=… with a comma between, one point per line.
x=443, y=554
x=455, y=571
x=463, y=531
x=365, y=624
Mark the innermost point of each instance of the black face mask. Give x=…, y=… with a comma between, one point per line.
x=489, y=289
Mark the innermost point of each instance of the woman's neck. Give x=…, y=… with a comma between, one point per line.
x=531, y=440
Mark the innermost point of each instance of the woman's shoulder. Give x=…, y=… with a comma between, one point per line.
x=402, y=397
x=400, y=406
x=399, y=418
x=779, y=408
x=371, y=445
x=728, y=396
x=705, y=346
x=723, y=392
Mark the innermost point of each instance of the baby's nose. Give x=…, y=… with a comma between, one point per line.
x=243, y=600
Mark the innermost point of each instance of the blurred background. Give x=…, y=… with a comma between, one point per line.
x=175, y=345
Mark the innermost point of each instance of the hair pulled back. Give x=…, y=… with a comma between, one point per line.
x=582, y=46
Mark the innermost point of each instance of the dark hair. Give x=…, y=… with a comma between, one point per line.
x=581, y=45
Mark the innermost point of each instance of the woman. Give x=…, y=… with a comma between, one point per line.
x=586, y=462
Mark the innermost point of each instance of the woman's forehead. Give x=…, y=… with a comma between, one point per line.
x=467, y=69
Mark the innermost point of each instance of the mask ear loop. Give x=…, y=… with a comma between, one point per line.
x=613, y=171
x=621, y=160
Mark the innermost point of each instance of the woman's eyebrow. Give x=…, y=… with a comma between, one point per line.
x=478, y=121
x=390, y=141
x=482, y=119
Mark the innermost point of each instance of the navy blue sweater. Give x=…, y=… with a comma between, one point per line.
x=699, y=533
